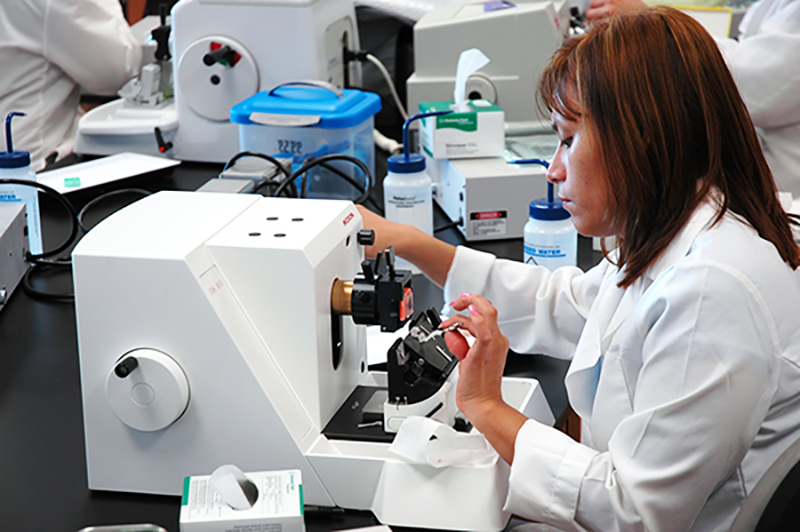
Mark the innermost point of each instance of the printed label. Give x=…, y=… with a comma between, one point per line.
x=406, y=202
x=489, y=223
x=465, y=122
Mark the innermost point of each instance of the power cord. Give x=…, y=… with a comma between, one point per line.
x=266, y=181
x=310, y=163
x=34, y=259
x=40, y=262
x=105, y=196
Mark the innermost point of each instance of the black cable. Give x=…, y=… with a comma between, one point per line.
x=282, y=169
x=270, y=158
x=311, y=163
x=102, y=197
x=64, y=202
x=27, y=286
x=344, y=176
x=449, y=225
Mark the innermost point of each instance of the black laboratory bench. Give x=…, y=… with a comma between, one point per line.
x=43, y=484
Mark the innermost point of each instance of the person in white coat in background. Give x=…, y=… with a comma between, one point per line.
x=685, y=341
x=49, y=49
x=765, y=62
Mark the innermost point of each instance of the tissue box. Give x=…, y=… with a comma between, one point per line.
x=279, y=507
x=478, y=132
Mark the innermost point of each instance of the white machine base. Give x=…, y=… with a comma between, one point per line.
x=235, y=290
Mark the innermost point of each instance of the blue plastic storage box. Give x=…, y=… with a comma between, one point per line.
x=302, y=121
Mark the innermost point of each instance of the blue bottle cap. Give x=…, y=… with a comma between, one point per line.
x=15, y=159
x=542, y=209
x=12, y=158
x=406, y=164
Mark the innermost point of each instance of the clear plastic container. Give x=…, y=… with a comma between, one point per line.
x=301, y=122
x=550, y=237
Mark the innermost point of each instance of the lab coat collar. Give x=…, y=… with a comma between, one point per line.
x=614, y=305
x=700, y=221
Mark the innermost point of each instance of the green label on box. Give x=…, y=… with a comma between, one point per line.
x=72, y=182
x=464, y=121
x=186, y=483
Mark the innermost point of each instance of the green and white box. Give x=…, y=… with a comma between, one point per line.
x=478, y=132
x=278, y=508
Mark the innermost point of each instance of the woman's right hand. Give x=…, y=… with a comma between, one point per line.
x=431, y=255
x=386, y=233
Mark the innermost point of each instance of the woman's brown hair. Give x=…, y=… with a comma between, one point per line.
x=672, y=127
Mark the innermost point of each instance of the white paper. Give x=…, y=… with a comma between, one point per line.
x=469, y=62
x=104, y=170
x=228, y=481
x=450, y=448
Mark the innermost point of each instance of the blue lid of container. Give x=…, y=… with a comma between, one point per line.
x=335, y=110
x=13, y=158
x=402, y=164
x=541, y=209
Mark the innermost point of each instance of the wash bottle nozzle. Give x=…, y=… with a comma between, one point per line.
x=9, y=143
x=411, y=119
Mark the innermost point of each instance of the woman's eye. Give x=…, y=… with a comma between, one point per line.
x=567, y=142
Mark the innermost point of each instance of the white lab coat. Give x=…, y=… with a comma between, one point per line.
x=688, y=382
x=765, y=62
x=48, y=50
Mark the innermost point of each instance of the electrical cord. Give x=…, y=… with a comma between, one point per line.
x=102, y=197
x=27, y=284
x=380, y=66
x=40, y=262
x=264, y=182
x=448, y=225
x=312, y=162
x=67, y=206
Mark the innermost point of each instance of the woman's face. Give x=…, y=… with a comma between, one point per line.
x=582, y=182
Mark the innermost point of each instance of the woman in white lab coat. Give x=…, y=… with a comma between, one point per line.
x=765, y=62
x=49, y=49
x=685, y=342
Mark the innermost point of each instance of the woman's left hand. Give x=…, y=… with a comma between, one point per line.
x=479, y=394
x=481, y=366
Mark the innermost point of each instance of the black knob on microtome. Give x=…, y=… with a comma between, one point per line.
x=125, y=367
x=366, y=237
x=224, y=52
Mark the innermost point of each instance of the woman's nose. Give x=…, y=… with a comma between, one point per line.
x=556, y=172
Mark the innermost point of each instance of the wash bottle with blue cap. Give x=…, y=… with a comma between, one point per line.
x=550, y=237
x=17, y=165
x=407, y=188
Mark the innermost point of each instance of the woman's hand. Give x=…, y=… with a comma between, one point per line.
x=602, y=8
x=481, y=366
x=386, y=232
x=430, y=254
x=478, y=392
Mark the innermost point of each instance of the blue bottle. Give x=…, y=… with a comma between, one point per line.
x=17, y=165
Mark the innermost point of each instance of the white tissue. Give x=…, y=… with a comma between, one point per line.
x=234, y=487
x=450, y=448
x=469, y=62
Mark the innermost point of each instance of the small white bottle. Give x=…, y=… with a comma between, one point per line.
x=408, y=189
x=17, y=165
x=408, y=196
x=550, y=237
x=408, y=192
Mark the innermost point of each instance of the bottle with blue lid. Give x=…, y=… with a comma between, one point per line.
x=16, y=164
x=408, y=189
x=550, y=237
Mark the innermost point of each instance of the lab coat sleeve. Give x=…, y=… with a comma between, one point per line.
x=766, y=66
x=92, y=43
x=539, y=311
x=699, y=384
